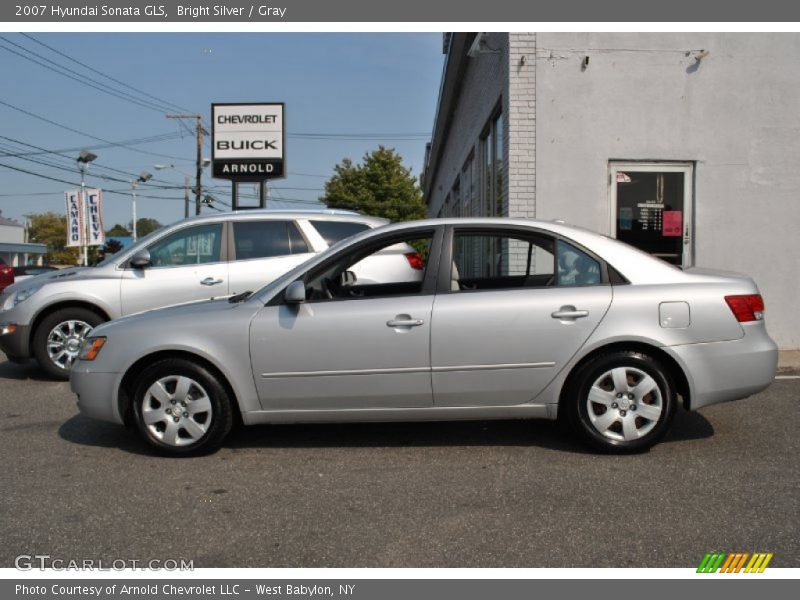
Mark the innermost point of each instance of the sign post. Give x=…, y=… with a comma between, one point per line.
x=248, y=146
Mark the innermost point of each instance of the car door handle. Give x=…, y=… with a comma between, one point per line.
x=404, y=322
x=210, y=281
x=569, y=312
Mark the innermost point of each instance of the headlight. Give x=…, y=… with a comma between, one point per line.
x=20, y=296
x=91, y=348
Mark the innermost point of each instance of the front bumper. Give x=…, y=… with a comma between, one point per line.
x=724, y=371
x=15, y=345
x=96, y=393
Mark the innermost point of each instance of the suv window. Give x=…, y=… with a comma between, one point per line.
x=190, y=246
x=390, y=268
x=336, y=231
x=266, y=238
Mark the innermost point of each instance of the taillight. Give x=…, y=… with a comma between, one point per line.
x=746, y=308
x=415, y=260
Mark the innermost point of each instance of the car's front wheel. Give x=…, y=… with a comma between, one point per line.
x=181, y=408
x=620, y=403
x=58, y=339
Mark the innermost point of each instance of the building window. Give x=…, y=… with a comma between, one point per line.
x=468, y=188
x=455, y=195
x=492, y=167
x=497, y=130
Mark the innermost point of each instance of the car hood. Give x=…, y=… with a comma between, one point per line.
x=197, y=313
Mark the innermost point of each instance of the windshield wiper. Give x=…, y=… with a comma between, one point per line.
x=240, y=297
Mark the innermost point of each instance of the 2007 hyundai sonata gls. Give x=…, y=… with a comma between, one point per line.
x=511, y=319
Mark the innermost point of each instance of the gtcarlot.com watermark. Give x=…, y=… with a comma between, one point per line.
x=44, y=562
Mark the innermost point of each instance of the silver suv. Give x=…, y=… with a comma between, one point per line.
x=48, y=316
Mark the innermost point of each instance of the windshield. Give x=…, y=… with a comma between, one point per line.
x=142, y=241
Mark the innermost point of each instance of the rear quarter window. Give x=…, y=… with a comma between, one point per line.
x=336, y=231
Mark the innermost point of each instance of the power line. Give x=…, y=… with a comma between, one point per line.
x=163, y=137
x=83, y=133
x=66, y=156
x=82, y=79
x=76, y=61
x=125, y=193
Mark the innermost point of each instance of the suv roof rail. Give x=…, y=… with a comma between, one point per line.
x=315, y=211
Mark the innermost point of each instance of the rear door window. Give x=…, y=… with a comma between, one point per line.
x=268, y=238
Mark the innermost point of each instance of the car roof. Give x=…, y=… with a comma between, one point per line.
x=316, y=214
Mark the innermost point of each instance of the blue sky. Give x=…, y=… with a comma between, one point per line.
x=331, y=83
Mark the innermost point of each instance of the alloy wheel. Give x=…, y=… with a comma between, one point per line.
x=65, y=340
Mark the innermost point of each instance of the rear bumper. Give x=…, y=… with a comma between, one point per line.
x=15, y=345
x=95, y=393
x=724, y=371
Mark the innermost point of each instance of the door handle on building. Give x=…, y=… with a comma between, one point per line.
x=210, y=281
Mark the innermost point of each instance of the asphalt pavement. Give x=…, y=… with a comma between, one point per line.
x=478, y=494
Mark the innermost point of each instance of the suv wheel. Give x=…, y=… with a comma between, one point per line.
x=621, y=403
x=180, y=408
x=58, y=338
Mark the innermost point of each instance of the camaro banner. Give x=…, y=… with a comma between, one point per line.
x=94, y=210
x=75, y=225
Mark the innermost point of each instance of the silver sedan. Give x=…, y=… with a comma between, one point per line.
x=511, y=319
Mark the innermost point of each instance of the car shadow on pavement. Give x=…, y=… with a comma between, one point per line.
x=534, y=433
x=22, y=371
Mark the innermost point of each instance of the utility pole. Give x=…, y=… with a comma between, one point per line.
x=199, y=174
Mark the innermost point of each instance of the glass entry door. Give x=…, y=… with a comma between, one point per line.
x=651, y=208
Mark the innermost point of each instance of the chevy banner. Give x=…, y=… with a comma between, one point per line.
x=94, y=211
x=75, y=224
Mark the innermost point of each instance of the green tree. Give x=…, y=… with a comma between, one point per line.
x=51, y=229
x=118, y=231
x=145, y=226
x=112, y=247
x=380, y=186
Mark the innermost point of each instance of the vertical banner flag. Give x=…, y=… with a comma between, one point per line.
x=75, y=225
x=94, y=208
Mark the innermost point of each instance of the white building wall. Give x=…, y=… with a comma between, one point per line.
x=10, y=234
x=646, y=97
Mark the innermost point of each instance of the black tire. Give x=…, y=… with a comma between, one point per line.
x=629, y=430
x=219, y=419
x=48, y=324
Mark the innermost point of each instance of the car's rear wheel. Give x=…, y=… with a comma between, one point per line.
x=621, y=402
x=58, y=339
x=181, y=408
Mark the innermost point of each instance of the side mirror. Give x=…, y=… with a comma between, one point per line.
x=140, y=260
x=295, y=293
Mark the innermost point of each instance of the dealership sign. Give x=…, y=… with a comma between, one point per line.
x=76, y=229
x=80, y=213
x=247, y=141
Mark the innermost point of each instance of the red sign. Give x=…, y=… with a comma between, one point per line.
x=672, y=223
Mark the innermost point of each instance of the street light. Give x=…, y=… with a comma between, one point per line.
x=144, y=177
x=84, y=158
x=186, y=178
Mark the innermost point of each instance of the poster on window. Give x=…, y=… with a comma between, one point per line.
x=94, y=211
x=672, y=223
x=75, y=225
